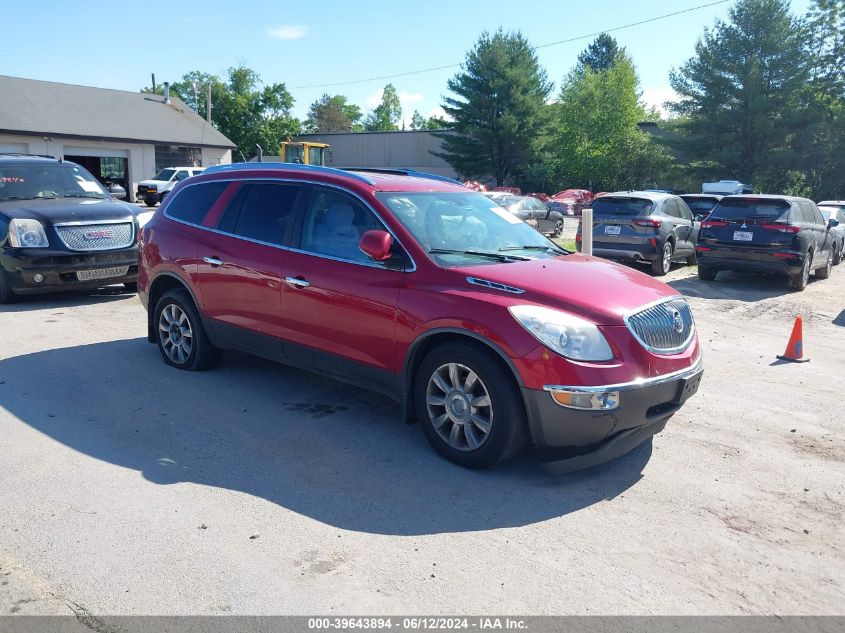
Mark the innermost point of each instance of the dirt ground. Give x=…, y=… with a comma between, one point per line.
x=127, y=487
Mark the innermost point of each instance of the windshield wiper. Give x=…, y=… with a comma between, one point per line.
x=535, y=247
x=499, y=256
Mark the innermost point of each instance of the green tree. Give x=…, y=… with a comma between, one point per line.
x=387, y=114
x=247, y=112
x=418, y=121
x=499, y=120
x=332, y=114
x=741, y=93
x=600, y=55
x=597, y=140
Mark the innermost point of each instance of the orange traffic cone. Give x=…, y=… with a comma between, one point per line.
x=795, y=348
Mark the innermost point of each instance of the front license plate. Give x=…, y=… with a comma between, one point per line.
x=688, y=387
x=743, y=236
x=102, y=273
x=612, y=230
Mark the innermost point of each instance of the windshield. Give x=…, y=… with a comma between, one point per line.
x=165, y=174
x=607, y=206
x=55, y=180
x=466, y=228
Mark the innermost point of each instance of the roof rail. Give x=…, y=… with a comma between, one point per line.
x=288, y=166
x=403, y=171
x=27, y=155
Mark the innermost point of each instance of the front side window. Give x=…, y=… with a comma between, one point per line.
x=466, y=228
x=334, y=223
x=52, y=180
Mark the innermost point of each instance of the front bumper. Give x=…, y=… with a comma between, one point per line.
x=571, y=439
x=59, y=269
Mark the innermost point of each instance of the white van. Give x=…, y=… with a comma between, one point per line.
x=155, y=189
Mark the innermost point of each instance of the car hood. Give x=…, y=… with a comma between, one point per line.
x=586, y=286
x=59, y=210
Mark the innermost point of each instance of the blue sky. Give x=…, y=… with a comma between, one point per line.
x=118, y=45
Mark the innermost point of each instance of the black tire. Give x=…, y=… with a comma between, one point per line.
x=706, y=274
x=692, y=260
x=150, y=203
x=837, y=255
x=507, y=432
x=6, y=294
x=558, y=230
x=661, y=266
x=162, y=196
x=824, y=271
x=131, y=286
x=799, y=281
x=202, y=354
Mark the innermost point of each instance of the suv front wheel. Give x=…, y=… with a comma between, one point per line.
x=469, y=407
x=180, y=334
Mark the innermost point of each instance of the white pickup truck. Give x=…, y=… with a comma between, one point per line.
x=726, y=187
x=154, y=190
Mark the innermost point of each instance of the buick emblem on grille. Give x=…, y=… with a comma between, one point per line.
x=102, y=234
x=677, y=320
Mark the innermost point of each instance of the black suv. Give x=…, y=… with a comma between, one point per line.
x=767, y=234
x=643, y=226
x=61, y=230
x=701, y=204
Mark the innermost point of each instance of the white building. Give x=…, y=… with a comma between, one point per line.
x=119, y=136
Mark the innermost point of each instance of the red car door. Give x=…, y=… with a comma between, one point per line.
x=338, y=305
x=240, y=264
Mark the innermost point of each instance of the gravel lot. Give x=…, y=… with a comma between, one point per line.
x=131, y=488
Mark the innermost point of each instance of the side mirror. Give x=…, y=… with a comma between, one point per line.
x=376, y=244
x=117, y=191
x=832, y=223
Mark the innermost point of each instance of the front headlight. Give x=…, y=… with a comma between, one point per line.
x=563, y=333
x=27, y=234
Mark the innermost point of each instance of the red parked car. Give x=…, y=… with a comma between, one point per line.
x=570, y=201
x=486, y=332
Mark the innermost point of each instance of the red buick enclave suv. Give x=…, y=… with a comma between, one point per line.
x=486, y=332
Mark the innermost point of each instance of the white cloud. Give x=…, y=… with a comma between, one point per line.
x=656, y=97
x=406, y=98
x=287, y=32
x=374, y=99
x=439, y=112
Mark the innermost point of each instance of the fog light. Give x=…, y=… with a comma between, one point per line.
x=38, y=278
x=588, y=401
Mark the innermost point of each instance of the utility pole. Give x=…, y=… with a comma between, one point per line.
x=154, y=82
x=208, y=105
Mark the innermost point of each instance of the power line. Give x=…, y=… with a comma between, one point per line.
x=566, y=41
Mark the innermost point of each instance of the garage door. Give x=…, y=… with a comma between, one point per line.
x=13, y=148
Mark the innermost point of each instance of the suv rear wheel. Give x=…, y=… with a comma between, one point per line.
x=663, y=263
x=469, y=407
x=800, y=280
x=706, y=274
x=180, y=334
x=824, y=271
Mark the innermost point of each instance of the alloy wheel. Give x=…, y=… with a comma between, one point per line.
x=667, y=256
x=805, y=270
x=175, y=333
x=459, y=406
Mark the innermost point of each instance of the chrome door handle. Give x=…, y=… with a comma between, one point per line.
x=213, y=261
x=298, y=282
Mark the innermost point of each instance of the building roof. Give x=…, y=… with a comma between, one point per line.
x=46, y=108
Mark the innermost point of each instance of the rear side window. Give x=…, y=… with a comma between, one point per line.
x=262, y=212
x=607, y=206
x=750, y=209
x=192, y=203
x=670, y=207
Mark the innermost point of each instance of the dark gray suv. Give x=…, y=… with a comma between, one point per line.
x=643, y=227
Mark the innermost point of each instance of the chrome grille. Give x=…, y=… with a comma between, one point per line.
x=96, y=237
x=664, y=328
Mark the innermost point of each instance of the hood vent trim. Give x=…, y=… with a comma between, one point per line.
x=494, y=285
